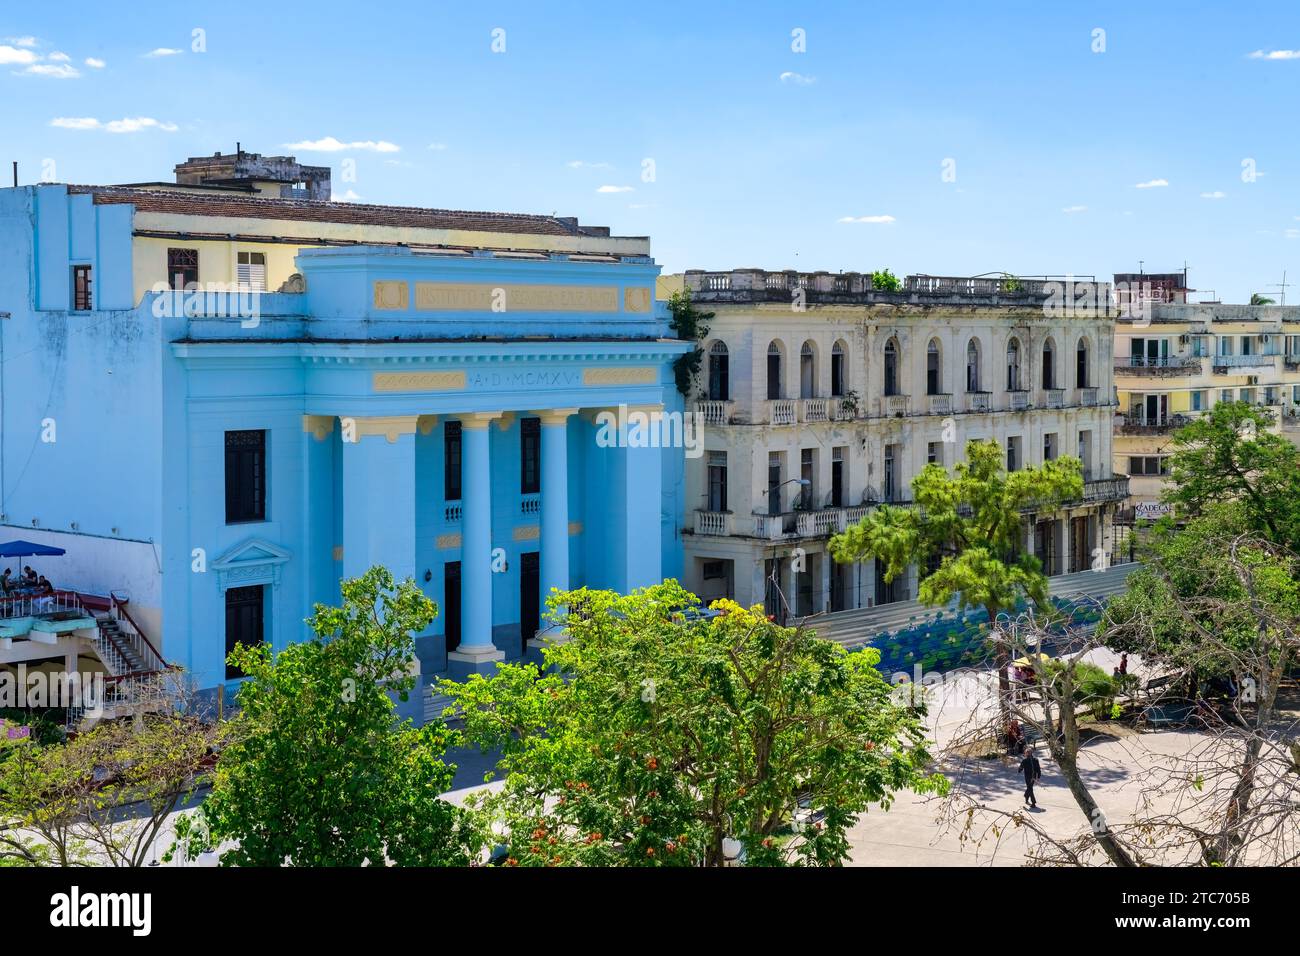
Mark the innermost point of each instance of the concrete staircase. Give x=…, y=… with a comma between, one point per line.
x=863, y=625
x=115, y=649
x=434, y=702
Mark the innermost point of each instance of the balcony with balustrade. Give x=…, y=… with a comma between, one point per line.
x=714, y=522
x=1088, y=396
x=978, y=401
x=781, y=411
x=1018, y=399
x=713, y=412
x=894, y=406
x=1055, y=397
x=817, y=409
x=1139, y=424
x=1235, y=364
x=1165, y=366
x=811, y=523
x=857, y=288
x=939, y=404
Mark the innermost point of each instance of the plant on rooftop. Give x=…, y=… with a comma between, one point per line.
x=687, y=323
x=886, y=281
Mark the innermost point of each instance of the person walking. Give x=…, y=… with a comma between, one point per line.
x=1032, y=771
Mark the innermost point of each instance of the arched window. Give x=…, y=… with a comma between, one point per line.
x=1049, y=364
x=1081, y=364
x=973, y=366
x=933, y=369
x=891, y=367
x=774, y=371
x=837, y=370
x=1013, y=364
x=719, y=372
x=807, y=371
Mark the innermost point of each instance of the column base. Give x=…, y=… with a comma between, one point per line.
x=462, y=663
x=549, y=635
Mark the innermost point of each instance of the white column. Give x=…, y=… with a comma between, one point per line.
x=476, y=651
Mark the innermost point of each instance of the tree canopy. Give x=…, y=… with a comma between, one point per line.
x=658, y=731
x=972, y=523
x=1229, y=454
x=321, y=774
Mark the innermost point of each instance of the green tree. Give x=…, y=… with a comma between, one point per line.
x=1230, y=454
x=62, y=804
x=966, y=533
x=657, y=733
x=321, y=773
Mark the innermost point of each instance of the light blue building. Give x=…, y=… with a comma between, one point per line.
x=433, y=392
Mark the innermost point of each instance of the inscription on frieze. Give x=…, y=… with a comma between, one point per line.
x=486, y=297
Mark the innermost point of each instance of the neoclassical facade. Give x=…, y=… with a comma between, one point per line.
x=430, y=390
x=824, y=397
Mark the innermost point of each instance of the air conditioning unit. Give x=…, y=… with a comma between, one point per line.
x=1264, y=339
x=1184, y=339
x=1252, y=379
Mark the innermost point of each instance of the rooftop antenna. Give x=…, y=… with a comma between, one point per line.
x=1281, y=285
x=15, y=174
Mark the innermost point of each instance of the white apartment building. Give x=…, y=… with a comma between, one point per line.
x=823, y=397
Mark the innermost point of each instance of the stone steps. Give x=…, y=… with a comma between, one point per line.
x=863, y=625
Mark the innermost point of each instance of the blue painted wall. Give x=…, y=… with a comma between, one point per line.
x=141, y=398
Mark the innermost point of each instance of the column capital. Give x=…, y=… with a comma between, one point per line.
x=391, y=427
x=319, y=427
x=478, y=420
x=555, y=416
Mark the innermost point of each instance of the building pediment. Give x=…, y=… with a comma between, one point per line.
x=254, y=561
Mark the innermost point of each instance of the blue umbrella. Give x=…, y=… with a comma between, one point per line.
x=27, y=549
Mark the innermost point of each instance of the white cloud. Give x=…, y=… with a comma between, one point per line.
x=95, y=63
x=331, y=145
x=875, y=219
x=127, y=125
x=1217, y=194
x=59, y=57
x=60, y=71
x=798, y=79
x=1074, y=209
x=1275, y=55
x=1292, y=233
x=22, y=41
x=582, y=164
x=75, y=122
x=348, y=196
x=437, y=147
x=164, y=51
x=614, y=189
x=11, y=54
x=1151, y=184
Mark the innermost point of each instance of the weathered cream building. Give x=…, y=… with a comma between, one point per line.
x=823, y=397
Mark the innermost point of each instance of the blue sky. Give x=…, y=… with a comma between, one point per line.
x=759, y=152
